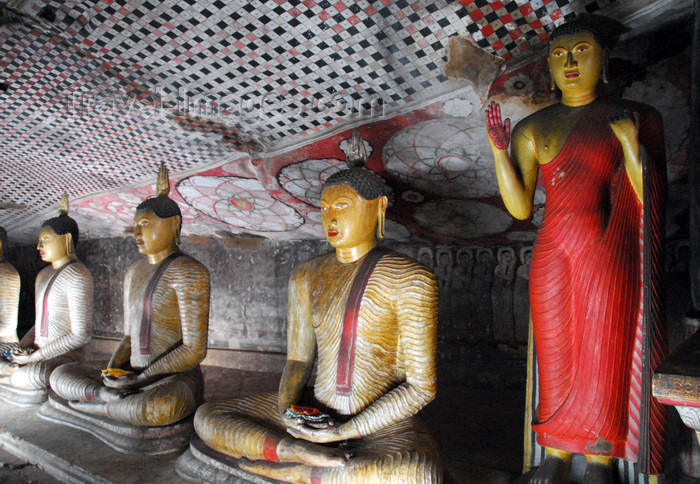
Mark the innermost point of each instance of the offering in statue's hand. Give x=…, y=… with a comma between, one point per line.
x=115, y=372
x=21, y=351
x=307, y=414
x=12, y=353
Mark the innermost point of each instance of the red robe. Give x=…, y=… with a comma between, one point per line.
x=597, y=338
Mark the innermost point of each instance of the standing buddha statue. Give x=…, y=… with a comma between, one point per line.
x=369, y=317
x=595, y=277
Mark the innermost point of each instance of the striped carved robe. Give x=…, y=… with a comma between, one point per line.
x=68, y=323
x=9, y=302
x=176, y=346
x=393, y=372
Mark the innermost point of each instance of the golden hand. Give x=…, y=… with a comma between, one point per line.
x=625, y=126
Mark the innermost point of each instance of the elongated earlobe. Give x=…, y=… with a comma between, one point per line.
x=70, y=247
x=381, y=216
x=605, y=69
x=553, y=85
x=381, y=224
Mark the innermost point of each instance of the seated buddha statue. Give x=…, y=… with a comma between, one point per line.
x=64, y=297
x=153, y=378
x=369, y=317
x=9, y=297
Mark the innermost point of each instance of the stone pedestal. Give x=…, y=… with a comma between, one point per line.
x=122, y=437
x=676, y=383
x=202, y=464
x=21, y=397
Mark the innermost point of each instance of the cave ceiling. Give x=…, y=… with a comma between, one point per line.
x=250, y=104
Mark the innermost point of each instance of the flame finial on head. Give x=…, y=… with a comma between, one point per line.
x=163, y=183
x=63, y=224
x=64, y=204
x=364, y=181
x=161, y=204
x=356, y=155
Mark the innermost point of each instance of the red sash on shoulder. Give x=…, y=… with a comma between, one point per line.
x=147, y=315
x=44, y=326
x=346, y=352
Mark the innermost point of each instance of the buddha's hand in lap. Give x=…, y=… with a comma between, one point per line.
x=305, y=431
x=324, y=431
x=125, y=382
x=23, y=359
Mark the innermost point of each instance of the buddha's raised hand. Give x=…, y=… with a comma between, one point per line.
x=498, y=130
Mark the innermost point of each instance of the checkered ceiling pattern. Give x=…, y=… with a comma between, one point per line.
x=94, y=94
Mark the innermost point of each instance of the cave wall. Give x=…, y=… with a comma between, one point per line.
x=483, y=301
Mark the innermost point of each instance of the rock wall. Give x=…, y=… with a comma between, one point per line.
x=483, y=298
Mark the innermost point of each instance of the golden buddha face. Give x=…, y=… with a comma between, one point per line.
x=349, y=220
x=53, y=247
x=576, y=62
x=154, y=234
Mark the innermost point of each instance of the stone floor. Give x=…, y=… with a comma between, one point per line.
x=478, y=430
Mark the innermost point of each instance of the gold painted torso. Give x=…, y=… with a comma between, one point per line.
x=171, y=315
x=399, y=302
x=549, y=128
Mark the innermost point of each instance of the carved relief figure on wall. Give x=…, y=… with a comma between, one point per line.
x=425, y=257
x=9, y=297
x=64, y=299
x=521, y=297
x=502, y=297
x=597, y=334
x=369, y=317
x=461, y=288
x=482, y=281
x=153, y=377
x=443, y=272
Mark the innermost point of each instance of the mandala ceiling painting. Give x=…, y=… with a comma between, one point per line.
x=304, y=179
x=443, y=157
x=249, y=104
x=239, y=202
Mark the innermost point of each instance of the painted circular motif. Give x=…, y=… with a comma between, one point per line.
x=518, y=85
x=454, y=164
x=449, y=158
x=241, y=202
x=467, y=219
x=458, y=108
x=303, y=180
x=413, y=197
